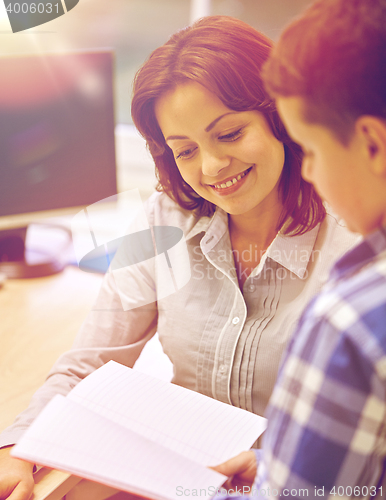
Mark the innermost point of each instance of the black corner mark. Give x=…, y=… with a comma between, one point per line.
x=25, y=14
x=70, y=4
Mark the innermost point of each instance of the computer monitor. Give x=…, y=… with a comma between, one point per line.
x=57, y=148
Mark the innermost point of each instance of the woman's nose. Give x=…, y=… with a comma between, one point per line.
x=212, y=162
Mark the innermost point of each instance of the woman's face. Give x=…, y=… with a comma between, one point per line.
x=230, y=158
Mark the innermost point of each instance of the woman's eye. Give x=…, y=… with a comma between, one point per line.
x=186, y=153
x=232, y=136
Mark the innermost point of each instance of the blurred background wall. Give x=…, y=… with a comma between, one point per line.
x=133, y=28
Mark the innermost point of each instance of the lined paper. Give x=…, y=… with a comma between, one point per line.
x=191, y=424
x=67, y=436
x=136, y=433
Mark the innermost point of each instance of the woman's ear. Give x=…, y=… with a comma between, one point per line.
x=372, y=132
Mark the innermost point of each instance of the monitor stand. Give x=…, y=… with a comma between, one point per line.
x=18, y=261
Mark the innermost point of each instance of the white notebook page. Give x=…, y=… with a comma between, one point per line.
x=195, y=426
x=67, y=436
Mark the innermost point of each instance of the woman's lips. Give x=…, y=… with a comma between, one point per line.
x=232, y=184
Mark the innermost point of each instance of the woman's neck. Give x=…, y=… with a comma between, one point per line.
x=256, y=226
x=251, y=234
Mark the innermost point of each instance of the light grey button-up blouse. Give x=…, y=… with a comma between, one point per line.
x=223, y=342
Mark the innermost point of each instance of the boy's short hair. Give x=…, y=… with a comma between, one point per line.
x=334, y=57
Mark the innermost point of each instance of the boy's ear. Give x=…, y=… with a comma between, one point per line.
x=372, y=131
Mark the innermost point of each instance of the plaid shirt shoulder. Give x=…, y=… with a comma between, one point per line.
x=327, y=414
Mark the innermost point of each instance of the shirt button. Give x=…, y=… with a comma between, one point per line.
x=235, y=320
x=251, y=288
x=222, y=368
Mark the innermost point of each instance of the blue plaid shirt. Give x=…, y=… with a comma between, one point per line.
x=326, y=436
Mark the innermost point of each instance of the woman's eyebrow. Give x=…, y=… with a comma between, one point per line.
x=211, y=125
x=175, y=137
x=208, y=128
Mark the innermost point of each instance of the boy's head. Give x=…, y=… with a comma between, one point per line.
x=328, y=75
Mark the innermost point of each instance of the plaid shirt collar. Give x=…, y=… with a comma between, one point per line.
x=361, y=255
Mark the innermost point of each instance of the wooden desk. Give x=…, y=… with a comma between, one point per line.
x=39, y=320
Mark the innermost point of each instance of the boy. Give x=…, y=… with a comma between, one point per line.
x=327, y=416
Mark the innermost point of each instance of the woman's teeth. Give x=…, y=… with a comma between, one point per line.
x=232, y=181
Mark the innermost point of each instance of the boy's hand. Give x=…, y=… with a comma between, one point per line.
x=241, y=470
x=16, y=478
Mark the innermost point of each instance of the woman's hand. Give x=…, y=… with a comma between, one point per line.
x=16, y=478
x=241, y=471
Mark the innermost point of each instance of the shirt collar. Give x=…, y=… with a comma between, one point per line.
x=362, y=254
x=214, y=227
x=292, y=252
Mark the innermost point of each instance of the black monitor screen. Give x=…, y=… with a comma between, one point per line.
x=56, y=131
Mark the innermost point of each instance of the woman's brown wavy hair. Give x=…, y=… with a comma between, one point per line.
x=225, y=55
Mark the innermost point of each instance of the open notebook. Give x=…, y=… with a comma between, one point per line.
x=136, y=433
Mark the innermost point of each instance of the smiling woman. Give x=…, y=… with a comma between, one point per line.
x=225, y=56
x=231, y=159
x=231, y=176
x=259, y=241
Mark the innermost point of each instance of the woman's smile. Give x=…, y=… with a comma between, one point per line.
x=231, y=184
